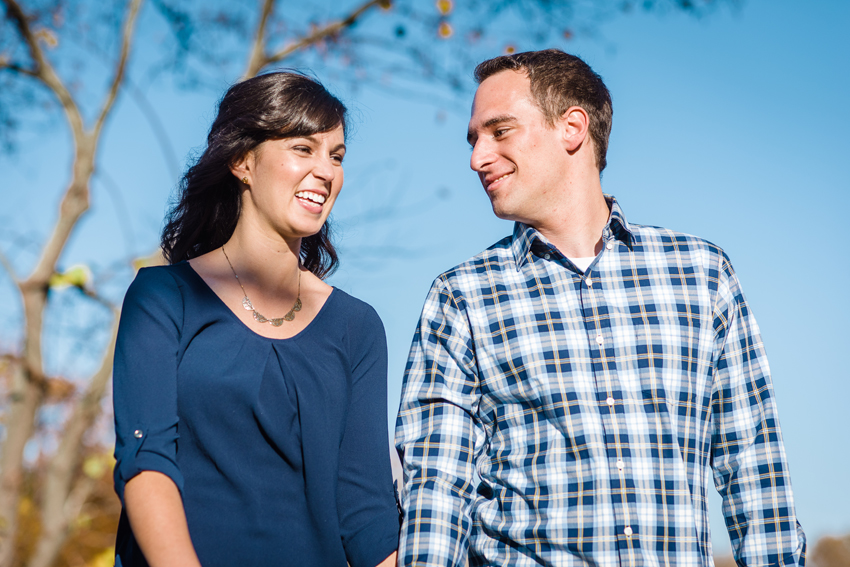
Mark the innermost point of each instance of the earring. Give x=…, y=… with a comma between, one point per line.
x=245, y=180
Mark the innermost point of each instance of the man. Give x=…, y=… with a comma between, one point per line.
x=569, y=389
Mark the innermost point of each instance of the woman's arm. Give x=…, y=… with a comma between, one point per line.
x=156, y=514
x=148, y=479
x=390, y=561
x=366, y=502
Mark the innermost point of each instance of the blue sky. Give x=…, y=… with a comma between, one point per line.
x=733, y=128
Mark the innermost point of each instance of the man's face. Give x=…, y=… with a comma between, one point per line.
x=519, y=157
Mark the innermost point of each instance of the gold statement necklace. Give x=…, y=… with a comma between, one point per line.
x=258, y=317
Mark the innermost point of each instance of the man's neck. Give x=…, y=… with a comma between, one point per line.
x=575, y=226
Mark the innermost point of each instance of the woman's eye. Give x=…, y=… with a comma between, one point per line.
x=337, y=158
x=302, y=149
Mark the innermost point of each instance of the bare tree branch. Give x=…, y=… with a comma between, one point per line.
x=7, y=265
x=28, y=387
x=91, y=294
x=19, y=18
x=23, y=403
x=43, y=69
x=126, y=40
x=62, y=496
x=258, y=59
x=315, y=36
x=17, y=68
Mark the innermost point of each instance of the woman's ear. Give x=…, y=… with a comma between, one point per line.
x=574, y=124
x=243, y=168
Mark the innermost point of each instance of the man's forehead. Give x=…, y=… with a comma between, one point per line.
x=498, y=92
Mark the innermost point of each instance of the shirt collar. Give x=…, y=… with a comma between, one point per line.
x=526, y=238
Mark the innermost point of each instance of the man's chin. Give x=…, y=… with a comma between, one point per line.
x=502, y=212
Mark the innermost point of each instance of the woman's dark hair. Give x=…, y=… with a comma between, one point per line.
x=267, y=107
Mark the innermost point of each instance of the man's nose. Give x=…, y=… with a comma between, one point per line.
x=482, y=155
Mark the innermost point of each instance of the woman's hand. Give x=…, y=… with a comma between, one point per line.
x=390, y=561
x=156, y=514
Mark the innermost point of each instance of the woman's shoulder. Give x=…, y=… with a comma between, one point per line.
x=355, y=310
x=158, y=284
x=158, y=279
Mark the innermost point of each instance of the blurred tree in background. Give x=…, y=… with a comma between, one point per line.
x=63, y=65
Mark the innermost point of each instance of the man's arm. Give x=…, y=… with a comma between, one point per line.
x=748, y=456
x=438, y=436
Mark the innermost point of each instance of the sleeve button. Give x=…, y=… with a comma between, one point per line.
x=138, y=434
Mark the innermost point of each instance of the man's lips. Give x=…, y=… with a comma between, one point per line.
x=492, y=181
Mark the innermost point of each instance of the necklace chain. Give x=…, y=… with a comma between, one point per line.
x=258, y=317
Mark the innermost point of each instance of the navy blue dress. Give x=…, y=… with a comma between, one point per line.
x=279, y=446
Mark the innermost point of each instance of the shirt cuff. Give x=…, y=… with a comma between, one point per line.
x=375, y=542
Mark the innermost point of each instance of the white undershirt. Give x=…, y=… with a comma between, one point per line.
x=582, y=263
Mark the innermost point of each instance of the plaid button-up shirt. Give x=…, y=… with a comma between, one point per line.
x=557, y=417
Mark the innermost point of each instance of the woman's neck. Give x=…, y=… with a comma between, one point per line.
x=265, y=260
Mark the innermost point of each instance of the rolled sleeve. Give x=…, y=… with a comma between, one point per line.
x=367, y=510
x=748, y=455
x=145, y=379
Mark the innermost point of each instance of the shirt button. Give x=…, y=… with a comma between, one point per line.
x=610, y=245
x=589, y=282
x=620, y=464
x=547, y=256
x=628, y=531
x=599, y=339
x=138, y=434
x=610, y=401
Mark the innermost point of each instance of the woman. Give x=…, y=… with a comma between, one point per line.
x=249, y=395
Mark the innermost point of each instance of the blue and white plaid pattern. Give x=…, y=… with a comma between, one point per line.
x=554, y=417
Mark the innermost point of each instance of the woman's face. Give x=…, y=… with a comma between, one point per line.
x=292, y=183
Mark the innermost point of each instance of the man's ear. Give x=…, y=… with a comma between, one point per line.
x=574, y=125
x=243, y=168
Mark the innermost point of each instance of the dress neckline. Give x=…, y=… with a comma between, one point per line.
x=223, y=305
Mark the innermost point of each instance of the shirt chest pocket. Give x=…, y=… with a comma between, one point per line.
x=530, y=363
x=670, y=342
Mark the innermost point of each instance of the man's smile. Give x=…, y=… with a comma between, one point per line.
x=490, y=182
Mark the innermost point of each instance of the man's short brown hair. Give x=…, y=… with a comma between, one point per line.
x=558, y=81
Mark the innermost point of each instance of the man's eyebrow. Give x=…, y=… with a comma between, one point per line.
x=490, y=123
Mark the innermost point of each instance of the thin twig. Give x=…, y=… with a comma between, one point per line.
x=15, y=67
x=17, y=15
x=7, y=265
x=321, y=33
x=127, y=36
x=43, y=70
x=258, y=58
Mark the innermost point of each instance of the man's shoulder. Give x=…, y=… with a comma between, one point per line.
x=655, y=239
x=495, y=258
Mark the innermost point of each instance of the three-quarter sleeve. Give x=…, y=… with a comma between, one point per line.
x=145, y=379
x=368, y=515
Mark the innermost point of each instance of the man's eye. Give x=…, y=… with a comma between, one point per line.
x=337, y=158
x=498, y=133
